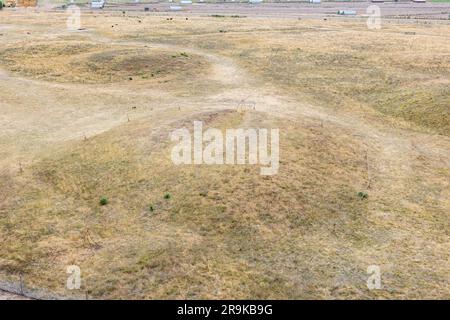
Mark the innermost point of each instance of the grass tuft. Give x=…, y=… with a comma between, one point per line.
x=103, y=201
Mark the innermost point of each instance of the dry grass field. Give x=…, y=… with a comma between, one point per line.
x=88, y=114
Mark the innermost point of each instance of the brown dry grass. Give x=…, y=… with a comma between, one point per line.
x=82, y=62
x=226, y=231
x=403, y=76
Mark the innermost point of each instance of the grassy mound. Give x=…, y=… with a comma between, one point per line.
x=223, y=231
x=90, y=63
x=168, y=231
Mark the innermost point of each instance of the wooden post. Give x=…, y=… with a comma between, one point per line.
x=21, y=283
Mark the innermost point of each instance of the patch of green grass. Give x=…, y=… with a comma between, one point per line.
x=103, y=201
x=363, y=195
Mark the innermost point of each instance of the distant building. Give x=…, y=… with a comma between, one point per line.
x=26, y=3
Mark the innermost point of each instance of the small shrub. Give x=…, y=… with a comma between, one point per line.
x=363, y=195
x=103, y=201
x=167, y=196
x=151, y=208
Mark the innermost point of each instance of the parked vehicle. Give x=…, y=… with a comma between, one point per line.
x=97, y=4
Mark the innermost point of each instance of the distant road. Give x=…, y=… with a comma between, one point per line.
x=395, y=10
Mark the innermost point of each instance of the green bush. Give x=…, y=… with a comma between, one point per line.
x=363, y=195
x=103, y=201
